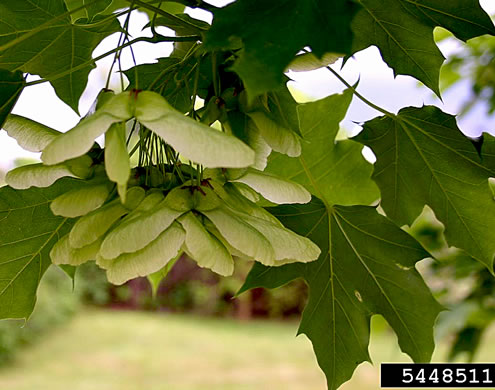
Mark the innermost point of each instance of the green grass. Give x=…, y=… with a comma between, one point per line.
x=104, y=350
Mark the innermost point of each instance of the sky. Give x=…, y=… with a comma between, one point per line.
x=377, y=83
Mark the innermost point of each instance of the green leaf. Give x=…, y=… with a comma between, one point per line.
x=423, y=158
x=193, y=140
x=28, y=230
x=488, y=152
x=29, y=134
x=70, y=271
x=464, y=18
x=366, y=267
x=69, y=43
x=308, y=61
x=333, y=170
x=204, y=248
x=171, y=74
x=11, y=86
x=80, y=201
x=180, y=28
x=271, y=33
x=145, y=261
x=93, y=8
x=168, y=6
x=157, y=277
x=405, y=42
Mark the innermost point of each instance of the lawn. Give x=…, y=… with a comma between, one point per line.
x=110, y=350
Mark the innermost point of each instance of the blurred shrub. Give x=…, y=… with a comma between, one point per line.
x=188, y=288
x=461, y=284
x=473, y=62
x=56, y=304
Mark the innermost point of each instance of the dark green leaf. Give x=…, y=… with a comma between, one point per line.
x=93, y=8
x=11, y=86
x=180, y=29
x=69, y=270
x=279, y=106
x=405, y=42
x=366, y=267
x=423, y=158
x=464, y=18
x=467, y=341
x=163, y=73
x=106, y=7
x=334, y=171
x=28, y=230
x=167, y=6
x=60, y=52
x=170, y=77
x=272, y=32
x=488, y=152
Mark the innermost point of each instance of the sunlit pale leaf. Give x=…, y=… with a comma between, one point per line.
x=136, y=233
x=39, y=175
x=274, y=188
x=29, y=134
x=80, y=201
x=117, y=161
x=147, y=260
x=204, y=248
x=241, y=235
x=193, y=140
x=308, y=61
x=276, y=136
x=94, y=225
x=63, y=253
x=288, y=246
x=79, y=140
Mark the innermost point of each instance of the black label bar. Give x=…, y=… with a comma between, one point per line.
x=437, y=375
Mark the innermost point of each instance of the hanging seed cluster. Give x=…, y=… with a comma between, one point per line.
x=194, y=189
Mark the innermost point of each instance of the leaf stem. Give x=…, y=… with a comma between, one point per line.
x=214, y=70
x=358, y=95
x=167, y=16
x=166, y=70
x=156, y=39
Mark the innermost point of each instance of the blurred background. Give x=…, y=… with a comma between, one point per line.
x=195, y=334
